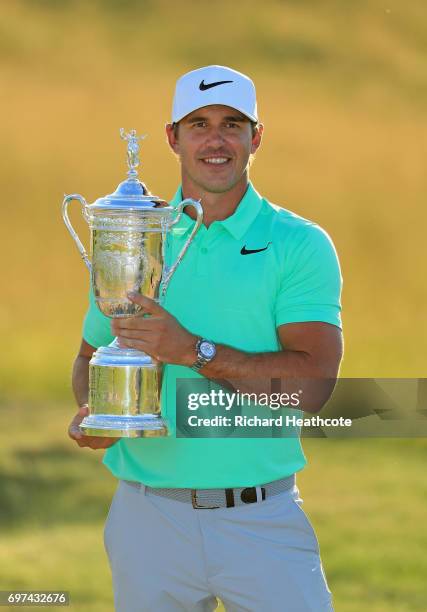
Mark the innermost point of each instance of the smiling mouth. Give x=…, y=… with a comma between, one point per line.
x=216, y=161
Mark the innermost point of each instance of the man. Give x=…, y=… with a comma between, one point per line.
x=257, y=297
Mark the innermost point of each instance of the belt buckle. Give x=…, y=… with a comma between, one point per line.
x=253, y=495
x=196, y=505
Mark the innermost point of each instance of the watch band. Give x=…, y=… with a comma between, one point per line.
x=199, y=363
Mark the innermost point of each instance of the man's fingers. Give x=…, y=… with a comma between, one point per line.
x=96, y=443
x=140, y=323
x=147, y=303
x=74, y=430
x=93, y=442
x=139, y=345
x=129, y=334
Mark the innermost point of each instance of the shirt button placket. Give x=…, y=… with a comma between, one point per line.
x=201, y=267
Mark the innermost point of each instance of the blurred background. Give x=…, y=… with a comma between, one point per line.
x=342, y=90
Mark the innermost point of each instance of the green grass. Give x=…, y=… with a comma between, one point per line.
x=366, y=499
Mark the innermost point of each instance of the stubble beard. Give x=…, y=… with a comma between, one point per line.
x=212, y=187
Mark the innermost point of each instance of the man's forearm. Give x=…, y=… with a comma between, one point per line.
x=283, y=371
x=80, y=379
x=230, y=363
x=311, y=351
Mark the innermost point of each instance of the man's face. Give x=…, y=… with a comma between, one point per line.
x=214, y=144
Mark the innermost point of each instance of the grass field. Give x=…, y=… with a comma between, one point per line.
x=366, y=499
x=342, y=91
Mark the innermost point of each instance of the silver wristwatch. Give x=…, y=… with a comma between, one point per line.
x=206, y=351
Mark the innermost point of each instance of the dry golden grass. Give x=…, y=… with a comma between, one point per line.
x=355, y=170
x=342, y=91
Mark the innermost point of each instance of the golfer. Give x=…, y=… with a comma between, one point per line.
x=257, y=296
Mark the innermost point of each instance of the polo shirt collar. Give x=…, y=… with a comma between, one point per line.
x=237, y=224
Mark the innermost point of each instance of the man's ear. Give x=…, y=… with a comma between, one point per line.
x=257, y=138
x=171, y=135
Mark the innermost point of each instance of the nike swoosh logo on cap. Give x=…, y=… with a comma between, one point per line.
x=204, y=86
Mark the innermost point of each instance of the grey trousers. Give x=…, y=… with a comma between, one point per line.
x=166, y=556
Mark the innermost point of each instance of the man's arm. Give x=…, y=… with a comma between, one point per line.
x=309, y=350
x=310, y=356
x=80, y=376
x=309, y=360
x=80, y=382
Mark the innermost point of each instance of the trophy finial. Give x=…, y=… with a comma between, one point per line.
x=133, y=150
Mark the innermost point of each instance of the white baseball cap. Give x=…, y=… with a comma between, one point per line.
x=214, y=85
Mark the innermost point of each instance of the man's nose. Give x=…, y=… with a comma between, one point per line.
x=215, y=136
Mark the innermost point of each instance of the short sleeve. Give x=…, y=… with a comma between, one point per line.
x=310, y=288
x=96, y=326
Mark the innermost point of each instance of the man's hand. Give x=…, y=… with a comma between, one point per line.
x=159, y=335
x=93, y=442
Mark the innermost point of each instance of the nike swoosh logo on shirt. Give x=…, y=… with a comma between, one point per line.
x=246, y=251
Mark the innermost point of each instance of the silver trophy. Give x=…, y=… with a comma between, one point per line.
x=128, y=241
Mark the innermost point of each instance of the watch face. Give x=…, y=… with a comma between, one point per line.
x=207, y=350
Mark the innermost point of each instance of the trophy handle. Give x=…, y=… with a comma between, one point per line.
x=199, y=219
x=65, y=203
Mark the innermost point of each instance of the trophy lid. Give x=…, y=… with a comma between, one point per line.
x=131, y=194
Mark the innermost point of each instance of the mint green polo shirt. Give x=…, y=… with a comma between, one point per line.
x=238, y=300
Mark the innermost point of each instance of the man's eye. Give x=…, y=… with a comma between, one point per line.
x=231, y=124
x=199, y=124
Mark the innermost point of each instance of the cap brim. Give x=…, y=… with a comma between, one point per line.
x=248, y=115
